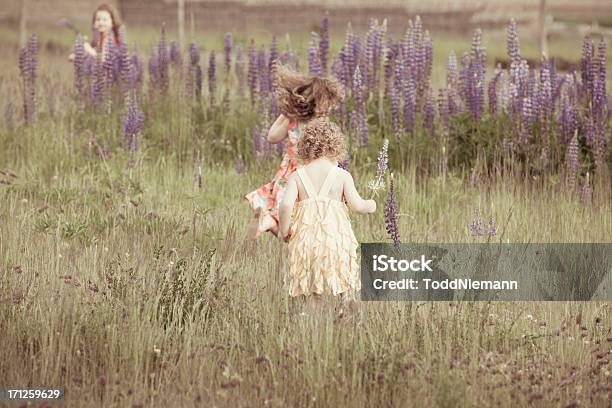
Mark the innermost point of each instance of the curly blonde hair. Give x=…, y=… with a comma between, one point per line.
x=321, y=138
x=305, y=97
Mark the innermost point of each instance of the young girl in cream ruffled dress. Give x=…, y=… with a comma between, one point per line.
x=322, y=247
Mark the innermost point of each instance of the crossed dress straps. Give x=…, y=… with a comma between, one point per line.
x=310, y=190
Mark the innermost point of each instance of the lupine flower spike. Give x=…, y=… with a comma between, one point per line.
x=383, y=159
x=391, y=213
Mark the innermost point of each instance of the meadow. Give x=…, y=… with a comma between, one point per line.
x=128, y=279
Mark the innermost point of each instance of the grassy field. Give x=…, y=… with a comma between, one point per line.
x=131, y=287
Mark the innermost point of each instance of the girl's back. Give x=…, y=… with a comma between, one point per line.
x=322, y=248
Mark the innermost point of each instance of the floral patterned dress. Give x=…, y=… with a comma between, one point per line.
x=269, y=196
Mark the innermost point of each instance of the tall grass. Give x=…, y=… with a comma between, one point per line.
x=133, y=287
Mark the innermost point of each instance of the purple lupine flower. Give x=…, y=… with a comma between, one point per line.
x=124, y=61
x=79, y=66
x=346, y=58
x=476, y=226
x=395, y=111
x=99, y=83
x=272, y=64
x=572, y=160
x=368, y=53
x=194, y=72
x=585, y=64
x=252, y=72
x=344, y=164
x=381, y=168
x=212, y=82
x=134, y=120
x=443, y=111
x=586, y=193
x=476, y=72
x=109, y=63
x=314, y=64
x=452, y=84
x=175, y=54
x=545, y=99
x=28, y=64
x=409, y=105
x=324, y=43
x=388, y=67
x=263, y=74
x=136, y=73
x=163, y=60
x=512, y=43
x=599, y=103
x=153, y=72
x=428, y=51
x=361, y=114
x=239, y=69
x=430, y=113
x=339, y=71
x=227, y=52
x=391, y=214
x=568, y=109
x=491, y=229
x=493, y=92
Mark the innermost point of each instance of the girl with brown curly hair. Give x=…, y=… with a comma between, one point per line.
x=322, y=248
x=105, y=23
x=301, y=98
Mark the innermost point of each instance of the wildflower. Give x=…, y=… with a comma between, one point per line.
x=381, y=169
x=477, y=225
x=391, y=214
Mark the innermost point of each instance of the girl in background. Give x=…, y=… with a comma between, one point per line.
x=105, y=22
x=301, y=98
x=323, y=248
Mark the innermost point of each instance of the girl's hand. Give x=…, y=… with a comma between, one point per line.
x=288, y=237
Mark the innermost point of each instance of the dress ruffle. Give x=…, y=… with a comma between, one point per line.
x=323, y=249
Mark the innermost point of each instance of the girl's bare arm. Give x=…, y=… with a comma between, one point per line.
x=278, y=130
x=285, y=210
x=90, y=50
x=353, y=199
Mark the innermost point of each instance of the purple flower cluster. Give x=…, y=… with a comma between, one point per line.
x=476, y=226
x=568, y=107
x=263, y=73
x=324, y=43
x=409, y=89
x=430, y=113
x=472, y=77
x=572, y=161
x=391, y=214
x=252, y=72
x=314, y=63
x=79, y=67
x=212, y=82
x=161, y=80
x=132, y=125
x=227, y=52
x=28, y=66
x=493, y=89
x=194, y=73
x=176, y=58
x=360, y=121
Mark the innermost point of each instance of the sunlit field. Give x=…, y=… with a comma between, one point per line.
x=130, y=283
